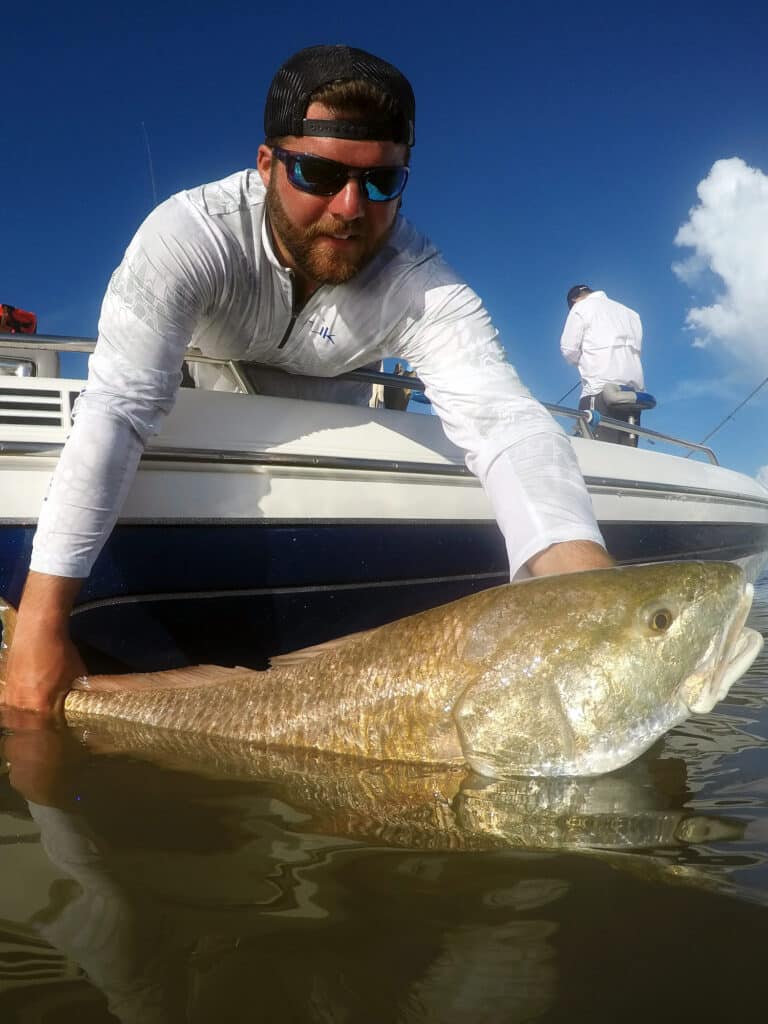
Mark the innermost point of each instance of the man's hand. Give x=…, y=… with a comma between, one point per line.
x=571, y=556
x=43, y=661
x=40, y=671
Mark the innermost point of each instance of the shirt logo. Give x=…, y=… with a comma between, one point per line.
x=324, y=332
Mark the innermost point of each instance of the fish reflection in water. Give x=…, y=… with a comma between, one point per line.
x=433, y=807
x=276, y=889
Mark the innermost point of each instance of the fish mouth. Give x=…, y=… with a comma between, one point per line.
x=744, y=645
x=747, y=646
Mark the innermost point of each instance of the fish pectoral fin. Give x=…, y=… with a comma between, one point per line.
x=193, y=676
x=308, y=653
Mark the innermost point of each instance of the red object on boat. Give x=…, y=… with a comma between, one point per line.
x=16, y=321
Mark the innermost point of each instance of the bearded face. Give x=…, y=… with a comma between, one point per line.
x=329, y=251
x=328, y=239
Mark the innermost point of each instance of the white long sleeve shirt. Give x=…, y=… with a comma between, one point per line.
x=201, y=271
x=602, y=339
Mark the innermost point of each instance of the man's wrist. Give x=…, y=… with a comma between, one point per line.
x=47, y=602
x=570, y=556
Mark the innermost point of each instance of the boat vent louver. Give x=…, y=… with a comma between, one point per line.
x=22, y=407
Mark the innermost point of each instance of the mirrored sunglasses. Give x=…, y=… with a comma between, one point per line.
x=322, y=177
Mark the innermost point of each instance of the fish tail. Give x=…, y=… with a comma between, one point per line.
x=8, y=622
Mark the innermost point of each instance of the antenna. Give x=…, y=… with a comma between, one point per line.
x=149, y=161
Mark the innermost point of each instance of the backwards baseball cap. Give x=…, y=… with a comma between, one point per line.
x=317, y=66
x=576, y=292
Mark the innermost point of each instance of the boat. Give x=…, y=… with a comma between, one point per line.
x=259, y=524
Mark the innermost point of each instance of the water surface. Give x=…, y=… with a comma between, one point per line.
x=148, y=892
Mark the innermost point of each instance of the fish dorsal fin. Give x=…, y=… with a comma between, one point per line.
x=191, y=677
x=305, y=654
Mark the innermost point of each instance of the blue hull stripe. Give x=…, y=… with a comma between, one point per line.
x=247, y=591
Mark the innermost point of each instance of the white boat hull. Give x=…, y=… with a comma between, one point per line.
x=260, y=524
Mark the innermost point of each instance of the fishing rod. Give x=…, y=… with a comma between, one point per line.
x=560, y=400
x=733, y=413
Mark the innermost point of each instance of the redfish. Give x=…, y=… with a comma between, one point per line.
x=560, y=675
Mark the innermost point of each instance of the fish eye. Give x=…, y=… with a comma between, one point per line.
x=660, y=620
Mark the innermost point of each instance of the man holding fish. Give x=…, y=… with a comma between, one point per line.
x=306, y=264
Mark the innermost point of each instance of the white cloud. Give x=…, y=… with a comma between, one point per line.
x=692, y=388
x=762, y=476
x=728, y=233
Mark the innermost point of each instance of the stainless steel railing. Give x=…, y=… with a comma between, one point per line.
x=20, y=346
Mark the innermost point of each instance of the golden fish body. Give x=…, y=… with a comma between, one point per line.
x=560, y=675
x=567, y=675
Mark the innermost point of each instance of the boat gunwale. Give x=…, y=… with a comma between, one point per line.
x=582, y=418
x=395, y=467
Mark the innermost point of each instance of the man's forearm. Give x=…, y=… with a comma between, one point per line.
x=570, y=556
x=43, y=661
x=95, y=471
x=541, y=502
x=571, y=340
x=47, y=601
x=571, y=355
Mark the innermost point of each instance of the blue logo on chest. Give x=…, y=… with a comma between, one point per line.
x=324, y=332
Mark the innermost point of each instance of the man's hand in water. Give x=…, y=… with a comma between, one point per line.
x=43, y=661
x=41, y=672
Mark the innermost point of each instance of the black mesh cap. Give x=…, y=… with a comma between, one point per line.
x=318, y=66
x=576, y=292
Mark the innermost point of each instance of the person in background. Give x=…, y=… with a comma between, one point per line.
x=305, y=264
x=602, y=339
x=387, y=396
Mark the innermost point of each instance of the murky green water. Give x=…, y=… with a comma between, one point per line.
x=146, y=893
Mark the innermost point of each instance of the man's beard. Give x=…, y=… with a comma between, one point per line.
x=316, y=261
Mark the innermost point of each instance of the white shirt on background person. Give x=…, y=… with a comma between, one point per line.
x=602, y=338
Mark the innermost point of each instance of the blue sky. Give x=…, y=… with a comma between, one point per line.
x=555, y=144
